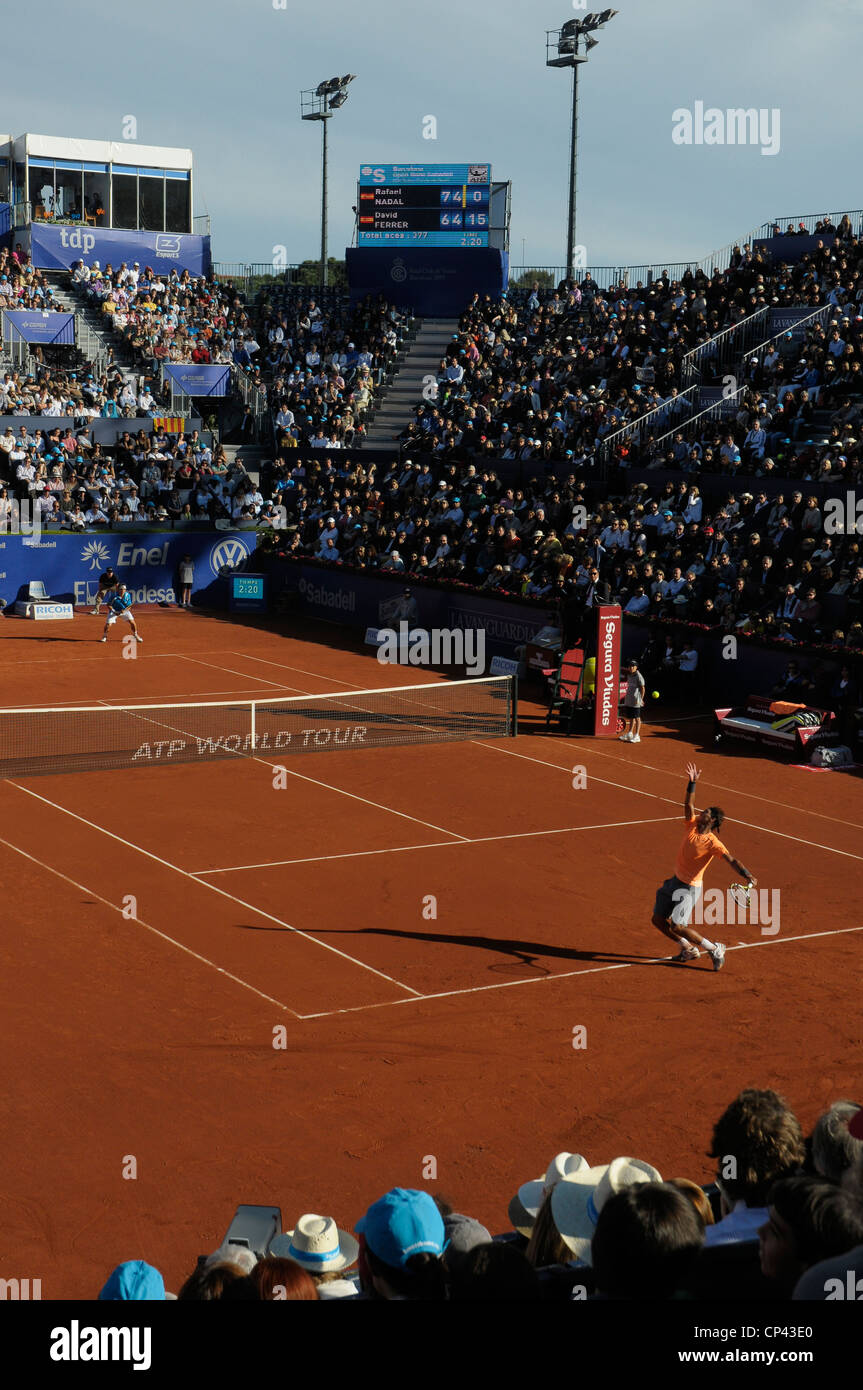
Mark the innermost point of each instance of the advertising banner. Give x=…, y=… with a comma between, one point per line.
x=35, y=326
x=435, y=282
x=372, y=601
x=199, y=380
x=608, y=631
x=69, y=565
x=787, y=320
x=58, y=248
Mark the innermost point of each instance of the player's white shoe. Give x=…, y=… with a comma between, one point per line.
x=103, y=639
x=137, y=638
x=635, y=738
x=687, y=953
x=625, y=738
x=717, y=955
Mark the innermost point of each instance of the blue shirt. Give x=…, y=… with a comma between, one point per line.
x=118, y=603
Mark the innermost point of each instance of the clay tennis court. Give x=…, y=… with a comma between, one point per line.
x=428, y=924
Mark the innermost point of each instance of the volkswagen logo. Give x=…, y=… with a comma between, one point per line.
x=228, y=555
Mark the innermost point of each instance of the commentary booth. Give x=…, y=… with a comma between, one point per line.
x=66, y=199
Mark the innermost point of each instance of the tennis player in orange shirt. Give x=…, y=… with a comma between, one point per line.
x=676, y=899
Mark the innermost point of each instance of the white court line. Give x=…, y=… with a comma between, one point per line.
x=437, y=844
x=570, y=974
x=212, y=887
x=721, y=786
x=248, y=675
x=141, y=923
x=364, y=799
x=316, y=675
x=813, y=844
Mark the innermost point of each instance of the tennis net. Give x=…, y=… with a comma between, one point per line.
x=40, y=740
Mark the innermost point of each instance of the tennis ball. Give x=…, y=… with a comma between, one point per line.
x=654, y=694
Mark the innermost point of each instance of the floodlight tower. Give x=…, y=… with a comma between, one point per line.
x=563, y=48
x=318, y=104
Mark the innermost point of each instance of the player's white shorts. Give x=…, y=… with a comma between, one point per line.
x=126, y=614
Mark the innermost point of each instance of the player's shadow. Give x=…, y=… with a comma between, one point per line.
x=527, y=953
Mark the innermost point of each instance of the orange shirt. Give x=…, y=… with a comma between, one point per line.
x=696, y=853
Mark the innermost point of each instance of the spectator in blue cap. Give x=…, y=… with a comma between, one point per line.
x=402, y=1238
x=134, y=1280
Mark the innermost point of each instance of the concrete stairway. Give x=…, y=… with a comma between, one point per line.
x=422, y=360
x=72, y=302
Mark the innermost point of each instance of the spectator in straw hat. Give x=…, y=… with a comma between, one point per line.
x=324, y=1251
x=531, y=1199
x=577, y=1201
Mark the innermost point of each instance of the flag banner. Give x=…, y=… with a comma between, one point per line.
x=199, y=379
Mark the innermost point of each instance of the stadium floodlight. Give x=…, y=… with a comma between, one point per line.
x=318, y=104
x=596, y=21
x=569, y=47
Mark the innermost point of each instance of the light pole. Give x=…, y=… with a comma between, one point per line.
x=563, y=50
x=318, y=104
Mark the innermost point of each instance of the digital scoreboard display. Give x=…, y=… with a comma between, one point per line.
x=424, y=205
x=248, y=593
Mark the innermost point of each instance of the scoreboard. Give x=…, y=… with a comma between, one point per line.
x=424, y=205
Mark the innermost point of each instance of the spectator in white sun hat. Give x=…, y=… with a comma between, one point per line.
x=318, y=1245
x=530, y=1196
x=577, y=1201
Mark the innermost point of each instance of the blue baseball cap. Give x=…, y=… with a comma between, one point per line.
x=403, y=1223
x=134, y=1280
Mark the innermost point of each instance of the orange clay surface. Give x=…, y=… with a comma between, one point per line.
x=412, y=1031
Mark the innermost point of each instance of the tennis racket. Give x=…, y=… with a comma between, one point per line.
x=741, y=894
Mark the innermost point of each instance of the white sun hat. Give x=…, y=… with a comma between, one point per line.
x=578, y=1199
x=317, y=1244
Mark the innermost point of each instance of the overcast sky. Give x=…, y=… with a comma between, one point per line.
x=223, y=77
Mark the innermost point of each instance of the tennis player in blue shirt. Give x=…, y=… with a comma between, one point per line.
x=120, y=606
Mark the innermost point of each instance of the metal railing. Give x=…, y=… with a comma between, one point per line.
x=681, y=404
x=91, y=345
x=809, y=221
x=821, y=315
x=180, y=403
x=726, y=346
x=251, y=394
x=691, y=428
x=201, y=224
x=729, y=401
x=250, y=276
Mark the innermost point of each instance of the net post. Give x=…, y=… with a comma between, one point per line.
x=254, y=744
x=513, y=703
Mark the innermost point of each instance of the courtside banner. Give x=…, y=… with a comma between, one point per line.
x=608, y=629
x=69, y=565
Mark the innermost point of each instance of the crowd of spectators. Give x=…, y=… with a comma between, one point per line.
x=163, y=319
x=72, y=483
x=783, y=1220
x=756, y=564
x=549, y=374
x=324, y=364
